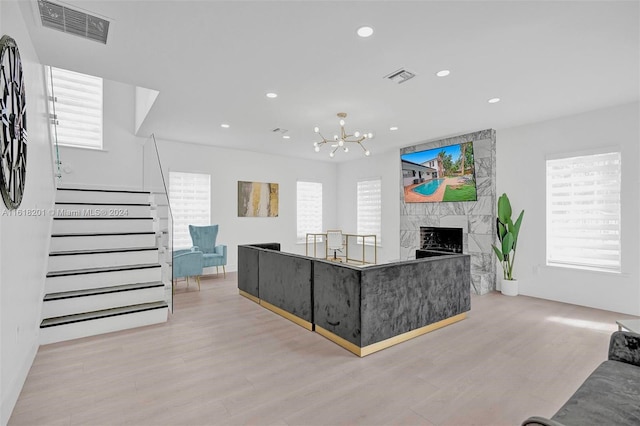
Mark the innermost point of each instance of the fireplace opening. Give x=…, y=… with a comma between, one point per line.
x=436, y=241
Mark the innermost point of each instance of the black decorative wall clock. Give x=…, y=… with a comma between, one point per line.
x=13, y=134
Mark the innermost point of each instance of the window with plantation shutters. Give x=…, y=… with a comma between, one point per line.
x=190, y=199
x=370, y=208
x=583, y=211
x=308, y=209
x=77, y=108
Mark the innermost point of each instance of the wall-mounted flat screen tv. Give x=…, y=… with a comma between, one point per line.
x=446, y=173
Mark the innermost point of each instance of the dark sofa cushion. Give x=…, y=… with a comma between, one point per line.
x=625, y=346
x=610, y=396
x=267, y=246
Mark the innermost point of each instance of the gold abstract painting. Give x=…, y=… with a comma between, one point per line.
x=257, y=199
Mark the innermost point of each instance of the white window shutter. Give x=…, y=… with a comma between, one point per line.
x=190, y=199
x=369, y=197
x=308, y=209
x=583, y=212
x=77, y=101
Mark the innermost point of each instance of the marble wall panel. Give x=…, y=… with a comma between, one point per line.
x=482, y=224
x=481, y=243
x=483, y=185
x=477, y=219
x=483, y=167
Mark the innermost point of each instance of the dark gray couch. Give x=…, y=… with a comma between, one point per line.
x=280, y=282
x=365, y=306
x=248, y=266
x=363, y=309
x=611, y=394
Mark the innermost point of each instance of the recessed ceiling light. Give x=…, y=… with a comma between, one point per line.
x=443, y=73
x=392, y=128
x=494, y=100
x=286, y=137
x=365, y=31
x=224, y=126
x=272, y=95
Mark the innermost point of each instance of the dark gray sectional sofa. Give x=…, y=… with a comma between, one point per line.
x=278, y=281
x=610, y=395
x=364, y=309
x=370, y=305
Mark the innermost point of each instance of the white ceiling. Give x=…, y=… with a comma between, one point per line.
x=214, y=61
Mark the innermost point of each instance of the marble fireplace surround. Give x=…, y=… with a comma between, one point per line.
x=476, y=218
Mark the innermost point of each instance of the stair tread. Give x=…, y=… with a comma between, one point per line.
x=101, y=251
x=103, y=269
x=100, y=234
x=101, y=290
x=127, y=191
x=105, y=313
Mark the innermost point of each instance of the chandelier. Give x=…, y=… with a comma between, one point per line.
x=342, y=140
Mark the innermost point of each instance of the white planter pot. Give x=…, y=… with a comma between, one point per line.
x=509, y=287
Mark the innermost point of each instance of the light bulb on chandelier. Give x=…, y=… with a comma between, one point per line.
x=342, y=140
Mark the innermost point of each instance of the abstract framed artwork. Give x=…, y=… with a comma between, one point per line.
x=257, y=199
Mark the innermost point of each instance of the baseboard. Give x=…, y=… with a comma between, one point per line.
x=367, y=350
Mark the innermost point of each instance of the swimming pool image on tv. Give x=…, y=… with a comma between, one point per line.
x=428, y=188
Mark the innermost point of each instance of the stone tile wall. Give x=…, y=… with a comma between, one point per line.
x=476, y=218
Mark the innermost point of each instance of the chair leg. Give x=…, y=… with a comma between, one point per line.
x=187, y=282
x=217, y=271
x=224, y=272
x=198, y=280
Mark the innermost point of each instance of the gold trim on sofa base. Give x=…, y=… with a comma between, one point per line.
x=302, y=323
x=249, y=296
x=367, y=350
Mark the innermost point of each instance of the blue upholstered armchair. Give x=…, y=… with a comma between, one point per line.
x=187, y=263
x=204, y=239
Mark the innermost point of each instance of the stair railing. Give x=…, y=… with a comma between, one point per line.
x=53, y=122
x=153, y=180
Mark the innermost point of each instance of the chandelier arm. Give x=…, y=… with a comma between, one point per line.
x=357, y=140
x=323, y=138
x=362, y=146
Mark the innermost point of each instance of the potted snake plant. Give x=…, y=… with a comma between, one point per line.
x=508, y=236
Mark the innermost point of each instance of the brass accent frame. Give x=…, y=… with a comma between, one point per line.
x=364, y=259
x=249, y=296
x=315, y=243
x=346, y=257
x=368, y=350
x=284, y=314
x=302, y=323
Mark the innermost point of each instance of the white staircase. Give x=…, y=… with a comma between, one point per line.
x=104, y=270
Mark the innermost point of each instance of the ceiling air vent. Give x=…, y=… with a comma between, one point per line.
x=71, y=21
x=400, y=76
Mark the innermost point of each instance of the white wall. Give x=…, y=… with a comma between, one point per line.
x=387, y=167
x=227, y=167
x=521, y=156
x=24, y=244
x=119, y=164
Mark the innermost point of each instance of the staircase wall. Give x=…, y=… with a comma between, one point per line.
x=87, y=167
x=24, y=238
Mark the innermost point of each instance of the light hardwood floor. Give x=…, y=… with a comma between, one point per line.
x=222, y=359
